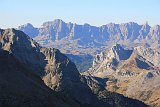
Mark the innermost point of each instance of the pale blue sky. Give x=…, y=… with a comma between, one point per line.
x=95, y=12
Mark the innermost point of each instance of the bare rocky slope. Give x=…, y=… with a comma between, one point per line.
x=20, y=87
x=79, y=40
x=72, y=38
x=132, y=72
x=57, y=72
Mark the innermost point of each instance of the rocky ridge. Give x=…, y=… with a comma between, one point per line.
x=20, y=86
x=82, y=38
x=59, y=73
x=79, y=40
x=120, y=74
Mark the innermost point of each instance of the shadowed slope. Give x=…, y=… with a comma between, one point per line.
x=19, y=86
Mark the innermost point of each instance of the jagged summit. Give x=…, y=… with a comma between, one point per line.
x=150, y=54
x=146, y=27
x=88, y=36
x=29, y=29
x=53, y=23
x=120, y=74
x=26, y=26
x=119, y=53
x=117, y=47
x=118, y=57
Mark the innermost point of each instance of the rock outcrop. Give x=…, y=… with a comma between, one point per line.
x=57, y=71
x=20, y=86
x=135, y=75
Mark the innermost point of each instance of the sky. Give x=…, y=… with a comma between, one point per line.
x=14, y=13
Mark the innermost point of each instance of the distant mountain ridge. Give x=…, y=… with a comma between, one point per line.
x=88, y=36
x=79, y=40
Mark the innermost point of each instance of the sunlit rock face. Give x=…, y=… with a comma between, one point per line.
x=87, y=35
x=134, y=73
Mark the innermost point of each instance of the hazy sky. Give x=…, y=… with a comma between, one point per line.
x=95, y=12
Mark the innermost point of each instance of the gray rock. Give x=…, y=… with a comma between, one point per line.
x=92, y=36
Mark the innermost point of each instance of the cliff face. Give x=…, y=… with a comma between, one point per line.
x=57, y=71
x=71, y=38
x=57, y=32
x=20, y=86
x=150, y=54
x=135, y=75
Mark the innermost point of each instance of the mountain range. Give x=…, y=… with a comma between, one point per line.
x=32, y=75
x=114, y=65
x=134, y=72
x=79, y=41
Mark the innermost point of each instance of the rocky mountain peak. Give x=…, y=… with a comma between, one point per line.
x=146, y=26
x=119, y=53
x=111, y=25
x=117, y=47
x=88, y=35
x=150, y=54
x=29, y=29
x=56, y=22
x=141, y=67
x=110, y=59
x=26, y=26
x=112, y=53
x=129, y=25
x=57, y=30
x=56, y=70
